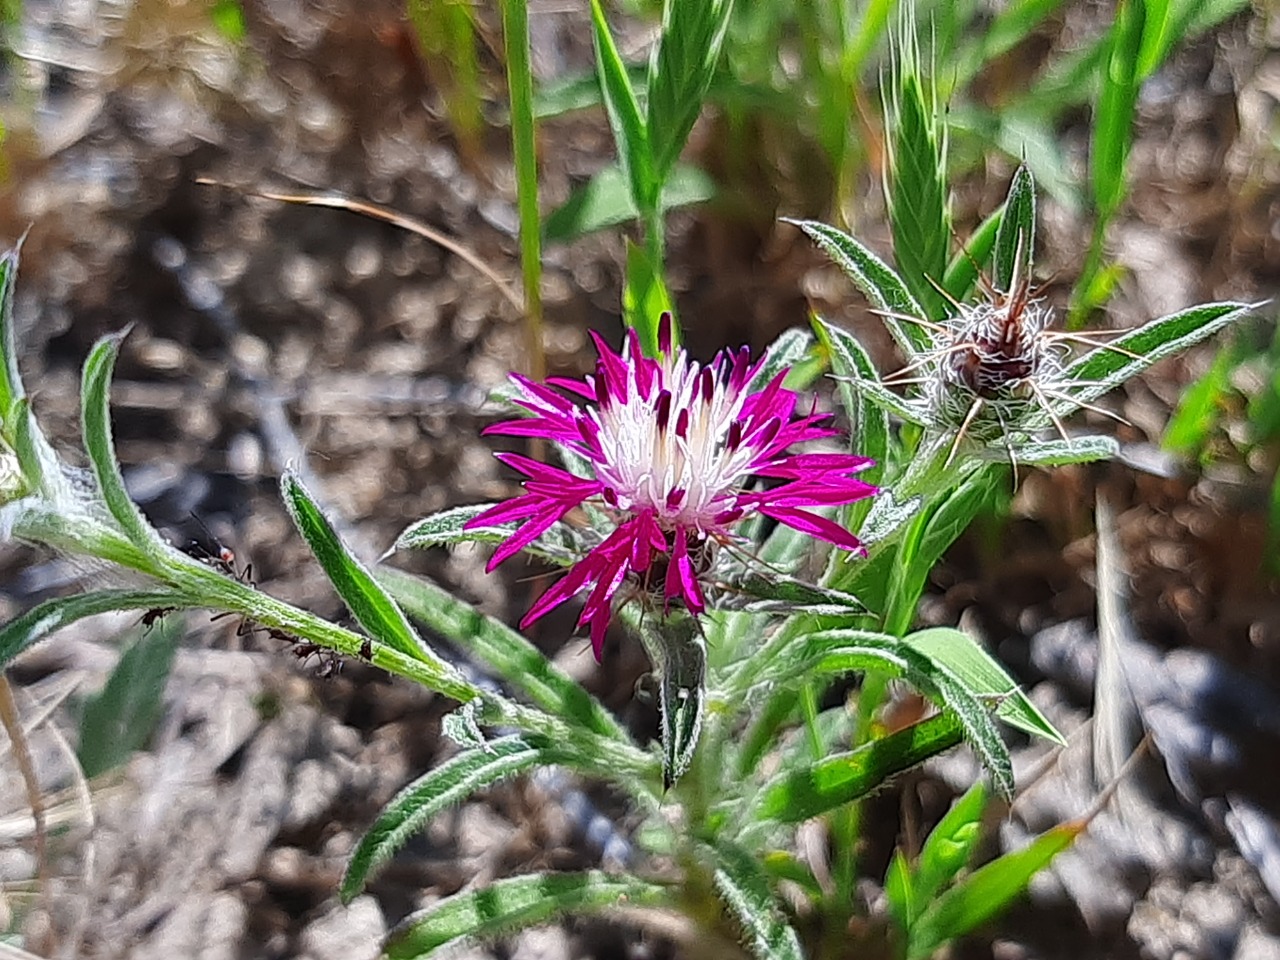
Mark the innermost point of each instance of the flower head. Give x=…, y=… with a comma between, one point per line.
x=674, y=449
x=998, y=353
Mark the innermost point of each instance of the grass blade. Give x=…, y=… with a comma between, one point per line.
x=804, y=792
x=680, y=72
x=120, y=718
x=503, y=651
x=515, y=33
x=368, y=602
x=986, y=891
x=915, y=185
x=629, y=130
x=1113, y=119
x=95, y=414
x=513, y=904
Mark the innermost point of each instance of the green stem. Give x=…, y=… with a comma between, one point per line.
x=515, y=29
x=655, y=238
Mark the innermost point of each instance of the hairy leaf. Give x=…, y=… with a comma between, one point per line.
x=560, y=544
x=743, y=885
x=40, y=621
x=438, y=789
x=1016, y=239
x=368, y=602
x=878, y=283
x=95, y=412
x=1105, y=368
x=513, y=904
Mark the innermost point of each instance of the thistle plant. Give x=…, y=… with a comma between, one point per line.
x=763, y=549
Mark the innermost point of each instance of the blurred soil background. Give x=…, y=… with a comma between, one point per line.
x=266, y=334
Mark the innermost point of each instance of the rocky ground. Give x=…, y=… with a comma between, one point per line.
x=269, y=334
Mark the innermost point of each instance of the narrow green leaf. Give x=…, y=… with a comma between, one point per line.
x=1105, y=368
x=605, y=201
x=368, y=602
x=986, y=891
x=1113, y=118
x=35, y=457
x=780, y=592
x=878, y=283
x=515, y=35
x=959, y=655
x=95, y=415
x=503, y=651
x=11, y=389
x=868, y=421
x=629, y=130
x=680, y=72
x=560, y=544
x=897, y=891
x=743, y=885
x=915, y=174
x=802, y=792
x=645, y=299
x=963, y=270
x=40, y=621
x=828, y=653
x=1016, y=238
x=121, y=717
x=1156, y=29
x=1201, y=406
x=581, y=91
x=1056, y=453
x=448, y=784
x=678, y=651
x=948, y=847
x=792, y=348
x=513, y=904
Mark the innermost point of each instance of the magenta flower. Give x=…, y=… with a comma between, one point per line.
x=674, y=448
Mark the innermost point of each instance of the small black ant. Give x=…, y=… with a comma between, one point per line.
x=155, y=615
x=366, y=649
x=330, y=662
x=222, y=559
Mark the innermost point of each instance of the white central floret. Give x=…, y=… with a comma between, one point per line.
x=668, y=448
